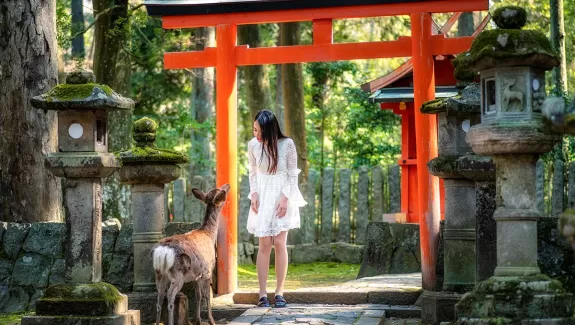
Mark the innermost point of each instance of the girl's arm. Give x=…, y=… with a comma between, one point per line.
x=252, y=172
x=292, y=170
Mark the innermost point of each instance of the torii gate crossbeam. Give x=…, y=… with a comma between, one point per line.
x=421, y=46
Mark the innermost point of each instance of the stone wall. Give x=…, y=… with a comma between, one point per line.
x=32, y=258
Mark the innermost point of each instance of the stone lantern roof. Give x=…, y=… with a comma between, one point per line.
x=80, y=92
x=145, y=151
x=466, y=104
x=509, y=45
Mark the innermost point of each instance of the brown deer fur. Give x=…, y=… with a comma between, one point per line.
x=189, y=257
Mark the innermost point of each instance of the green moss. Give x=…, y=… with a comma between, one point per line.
x=145, y=125
x=65, y=92
x=512, y=17
x=434, y=106
x=500, y=46
x=83, y=292
x=151, y=154
x=443, y=165
x=462, y=74
x=13, y=319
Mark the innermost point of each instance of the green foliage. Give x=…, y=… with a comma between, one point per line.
x=63, y=23
x=371, y=135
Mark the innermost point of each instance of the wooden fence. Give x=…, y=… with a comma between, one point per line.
x=340, y=203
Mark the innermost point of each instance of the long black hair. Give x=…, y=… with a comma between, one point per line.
x=271, y=133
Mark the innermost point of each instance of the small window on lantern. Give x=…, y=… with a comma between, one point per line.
x=101, y=131
x=489, y=93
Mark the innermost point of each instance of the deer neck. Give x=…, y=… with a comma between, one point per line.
x=211, y=219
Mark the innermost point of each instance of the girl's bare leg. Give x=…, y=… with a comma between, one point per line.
x=281, y=257
x=263, y=263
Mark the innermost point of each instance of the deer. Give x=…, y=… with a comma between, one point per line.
x=189, y=257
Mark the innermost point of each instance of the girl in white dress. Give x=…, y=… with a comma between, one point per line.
x=275, y=199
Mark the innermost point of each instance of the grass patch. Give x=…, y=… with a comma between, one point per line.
x=13, y=319
x=321, y=274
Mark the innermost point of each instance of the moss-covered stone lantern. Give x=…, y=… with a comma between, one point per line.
x=82, y=160
x=460, y=169
x=511, y=62
x=147, y=169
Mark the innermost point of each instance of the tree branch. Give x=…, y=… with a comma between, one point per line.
x=97, y=16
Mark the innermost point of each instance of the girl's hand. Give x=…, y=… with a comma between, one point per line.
x=255, y=202
x=281, y=208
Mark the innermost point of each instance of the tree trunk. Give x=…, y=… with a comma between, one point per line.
x=280, y=97
x=257, y=87
x=319, y=89
x=202, y=106
x=112, y=67
x=77, y=26
x=558, y=42
x=466, y=24
x=294, y=109
x=28, y=191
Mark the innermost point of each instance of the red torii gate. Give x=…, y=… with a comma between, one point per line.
x=421, y=46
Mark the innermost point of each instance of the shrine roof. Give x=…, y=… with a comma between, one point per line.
x=203, y=7
x=405, y=94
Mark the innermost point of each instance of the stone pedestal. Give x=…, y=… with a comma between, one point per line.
x=146, y=304
x=481, y=169
x=91, y=304
x=437, y=307
x=147, y=169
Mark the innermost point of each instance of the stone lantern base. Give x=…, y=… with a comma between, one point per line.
x=535, y=299
x=438, y=306
x=87, y=304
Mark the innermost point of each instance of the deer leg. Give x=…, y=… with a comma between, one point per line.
x=161, y=285
x=175, y=287
x=199, y=288
x=207, y=293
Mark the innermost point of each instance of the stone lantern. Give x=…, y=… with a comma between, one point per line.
x=82, y=161
x=511, y=62
x=454, y=164
x=147, y=169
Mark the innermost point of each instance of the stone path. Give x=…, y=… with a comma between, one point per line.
x=400, y=289
x=355, y=302
x=313, y=315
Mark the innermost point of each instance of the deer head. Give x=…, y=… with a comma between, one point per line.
x=508, y=82
x=216, y=196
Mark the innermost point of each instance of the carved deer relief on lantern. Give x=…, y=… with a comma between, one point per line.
x=512, y=100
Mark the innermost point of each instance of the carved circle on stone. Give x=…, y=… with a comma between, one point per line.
x=465, y=125
x=536, y=84
x=76, y=130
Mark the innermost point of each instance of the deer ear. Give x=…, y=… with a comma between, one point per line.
x=220, y=197
x=225, y=188
x=199, y=194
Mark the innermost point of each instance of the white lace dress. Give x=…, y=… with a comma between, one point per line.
x=269, y=187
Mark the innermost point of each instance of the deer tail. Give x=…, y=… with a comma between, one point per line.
x=163, y=258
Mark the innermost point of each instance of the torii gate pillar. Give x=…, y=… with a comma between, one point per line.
x=227, y=156
x=426, y=133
